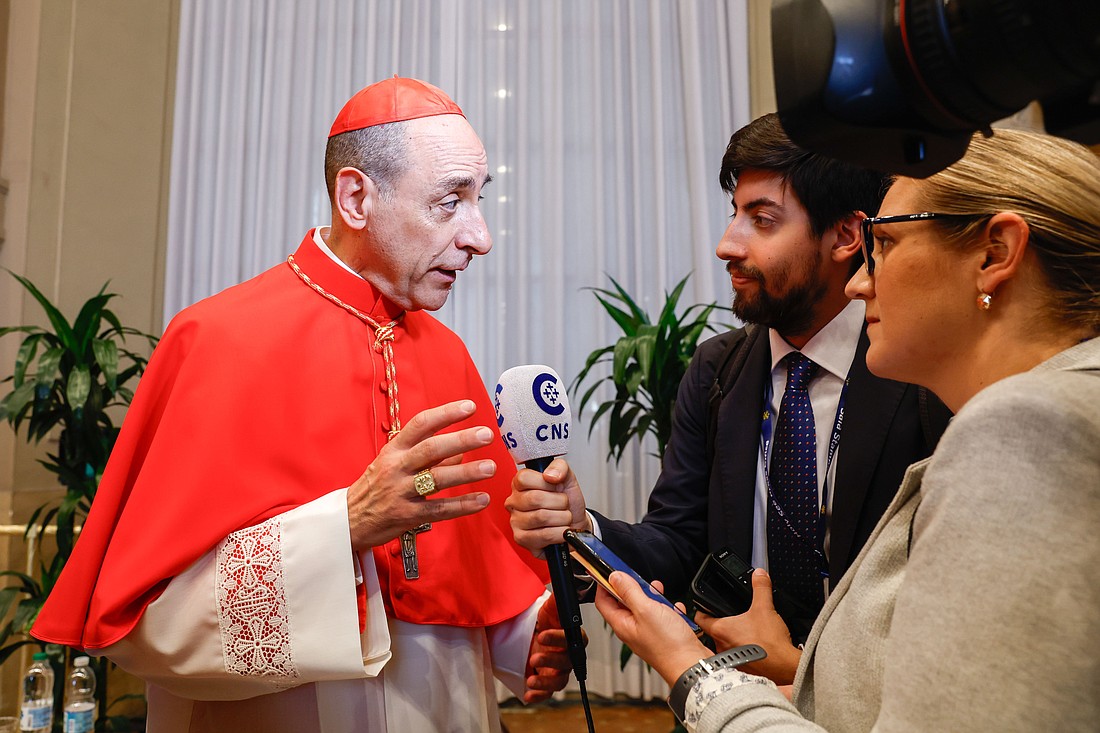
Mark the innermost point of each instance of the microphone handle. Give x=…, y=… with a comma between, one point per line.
x=561, y=582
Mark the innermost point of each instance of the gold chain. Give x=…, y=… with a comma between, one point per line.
x=383, y=343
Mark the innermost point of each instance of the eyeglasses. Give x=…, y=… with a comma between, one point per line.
x=868, y=225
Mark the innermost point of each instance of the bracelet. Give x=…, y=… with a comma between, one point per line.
x=729, y=659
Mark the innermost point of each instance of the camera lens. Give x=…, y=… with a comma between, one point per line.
x=967, y=63
x=900, y=85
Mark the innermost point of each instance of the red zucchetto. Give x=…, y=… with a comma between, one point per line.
x=393, y=100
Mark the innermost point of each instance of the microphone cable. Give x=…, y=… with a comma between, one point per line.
x=569, y=615
x=584, y=703
x=530, y=399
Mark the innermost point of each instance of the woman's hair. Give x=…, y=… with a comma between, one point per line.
x=1054, y=185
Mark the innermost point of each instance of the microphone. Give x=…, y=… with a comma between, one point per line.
x=534, y=419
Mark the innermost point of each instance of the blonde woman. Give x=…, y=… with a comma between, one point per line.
x=975, y=606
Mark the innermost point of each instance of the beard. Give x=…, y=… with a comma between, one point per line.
x=790, y=312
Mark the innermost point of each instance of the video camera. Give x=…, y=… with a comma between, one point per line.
x=899, y=86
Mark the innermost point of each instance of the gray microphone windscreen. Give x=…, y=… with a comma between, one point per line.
x=533, y=412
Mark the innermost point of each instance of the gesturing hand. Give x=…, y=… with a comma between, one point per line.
x=384, y=502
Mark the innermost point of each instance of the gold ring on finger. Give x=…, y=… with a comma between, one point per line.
x=424, y=483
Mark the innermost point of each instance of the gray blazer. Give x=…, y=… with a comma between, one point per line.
x=975, y=605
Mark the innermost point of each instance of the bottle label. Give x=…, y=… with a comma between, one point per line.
x=37, y=717
x=79, y=721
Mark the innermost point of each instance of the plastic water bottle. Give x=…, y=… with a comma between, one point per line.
x=36, y=713
x=79, y=711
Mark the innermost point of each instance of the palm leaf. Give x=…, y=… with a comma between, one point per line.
x=12, y=648
x=23, y=358
x=5, y=330
x=106, y=355
x=639, y=314
x=86, y=325
x=588, y=395
x=624, y=352
x=668, y=312
x=25, y=613
x=49, y=367
x=647, y=345
x=16, y=402
x=628, y=324
x=594, y=358
x=43, y=421
x=80, y=385
x=604, y=407
x=116, y=325
x=647, y=363
x=61, y=326
x=635, y=378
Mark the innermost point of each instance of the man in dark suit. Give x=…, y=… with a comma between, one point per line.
x=791, y=246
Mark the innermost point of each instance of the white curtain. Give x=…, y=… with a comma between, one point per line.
x=604, y=122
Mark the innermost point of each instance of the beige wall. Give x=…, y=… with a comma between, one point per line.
x=86, y=126
x=761, y=79
x=90, y=83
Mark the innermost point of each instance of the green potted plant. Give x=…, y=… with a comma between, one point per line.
x=69, y=376
x=647, y=363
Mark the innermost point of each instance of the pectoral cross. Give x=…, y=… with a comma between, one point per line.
x=408, y=550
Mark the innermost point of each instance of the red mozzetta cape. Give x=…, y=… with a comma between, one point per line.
x=260, y=399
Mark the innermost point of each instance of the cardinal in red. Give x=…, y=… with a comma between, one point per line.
x=301, y=527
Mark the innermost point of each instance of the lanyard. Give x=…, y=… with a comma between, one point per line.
x=765, y=446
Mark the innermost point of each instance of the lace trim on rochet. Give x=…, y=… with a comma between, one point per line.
x=252, y=608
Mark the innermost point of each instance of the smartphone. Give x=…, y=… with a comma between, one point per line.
x=723, y=587
x=598, y=559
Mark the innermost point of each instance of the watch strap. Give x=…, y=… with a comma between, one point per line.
x=729, y=659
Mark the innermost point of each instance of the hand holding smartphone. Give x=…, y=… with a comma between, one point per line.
x=598, y=559
x=723, y=587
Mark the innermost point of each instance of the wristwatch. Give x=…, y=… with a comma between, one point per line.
x=729, y=659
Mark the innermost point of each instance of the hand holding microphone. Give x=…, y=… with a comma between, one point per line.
x=534, y=420
x=543, y=505
x=546, y=500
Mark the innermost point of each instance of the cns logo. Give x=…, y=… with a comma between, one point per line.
x=496, y=405
x=547, y=392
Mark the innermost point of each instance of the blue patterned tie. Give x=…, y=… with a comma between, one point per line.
x=793, y=526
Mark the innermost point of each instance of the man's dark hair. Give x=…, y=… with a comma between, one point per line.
x=828, y=189
x=379, y=151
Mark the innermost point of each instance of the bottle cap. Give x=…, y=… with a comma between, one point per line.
x=80, y=662
x=40, y=655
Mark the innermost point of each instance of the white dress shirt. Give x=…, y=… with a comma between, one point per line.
x=833, y=348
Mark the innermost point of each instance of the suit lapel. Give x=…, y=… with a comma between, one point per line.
x=870, y=406
x=735, y=452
